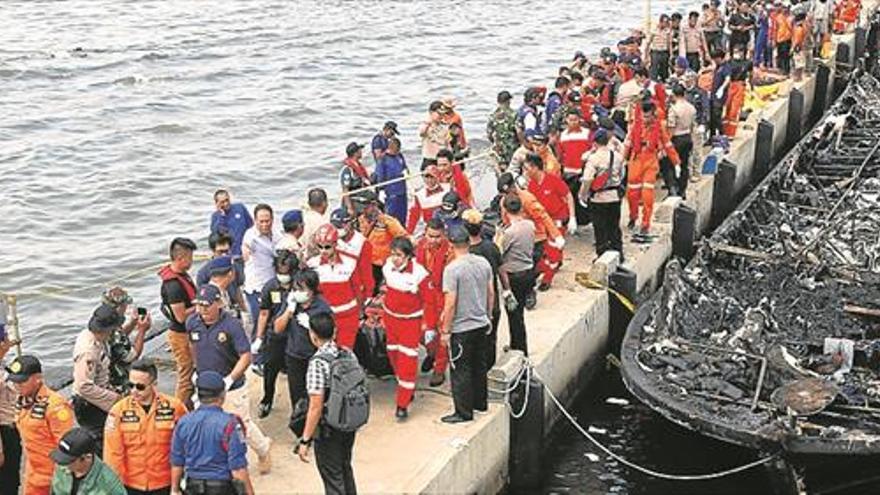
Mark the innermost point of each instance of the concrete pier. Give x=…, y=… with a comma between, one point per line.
x=567, y=337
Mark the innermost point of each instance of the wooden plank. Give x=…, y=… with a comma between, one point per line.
x=861, y=310
x=739, y=251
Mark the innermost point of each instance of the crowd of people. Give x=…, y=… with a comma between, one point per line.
x=425, y=262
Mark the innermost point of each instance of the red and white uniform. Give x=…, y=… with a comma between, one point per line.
x=424, y=204
x=340, y=286
x=435, y=259
x=572, y=146
x=406, y=294
x=362, y=251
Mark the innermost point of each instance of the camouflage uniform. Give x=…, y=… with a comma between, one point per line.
x=501, y=131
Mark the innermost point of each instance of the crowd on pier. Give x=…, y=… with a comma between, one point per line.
x=309, y=292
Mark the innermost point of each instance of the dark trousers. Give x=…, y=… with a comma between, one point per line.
x=10, y=472
x=208, y=487
x=659, y=65
x=693, y=61
x=492, y=338
x=378, y=278
x=683, y=145
x=714, y=40
x=396, y=207
x=521, y=284
x=783, y=56
x=469, y=385
x=606, y=225
x=273, y=363
x=333, y=456
x=668, y=174
x=715, y=113
x=92, y=418
x=160, y=491
x=537, y=254
x=581, y=214
x=296, y=378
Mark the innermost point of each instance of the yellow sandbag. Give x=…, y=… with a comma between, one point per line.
x=766, y=91
x=753, y=103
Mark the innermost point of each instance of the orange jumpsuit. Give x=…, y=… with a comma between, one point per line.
x=137, y=443
x=407, y=293
x=435, y=259
x=41, y=424
x=645, y=147
x=736, y=97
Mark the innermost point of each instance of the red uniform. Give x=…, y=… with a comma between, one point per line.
x=461, y=185
x=552, y=192
x=362, y=251
x=340, y=284
x=407, y=292
x=435, y=259
x=424, y=204
x=572, y=146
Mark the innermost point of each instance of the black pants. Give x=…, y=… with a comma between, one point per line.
x=659, y=65
x=296, y=378
x=693, y=61
x=492, y=338
x=606, y=225
x=521, y=284
x=92, y=418
x=668, y=174
x=212, y=487
x=469, y=385
x=581, y=214
x=683, y=145
x=160, y=491
x=333, y=456
x=715, y=112
x=713, y=40
x=537, y=254
x=10, y=472
x=378, y=278
x=273, y=363
x=783, y=56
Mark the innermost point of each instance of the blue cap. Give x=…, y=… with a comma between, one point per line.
x=340, y=217
x=210, y=381
x=682, y=62
x=220, y=264
x=291, y=218
x=458, y=235
x=600, y=133
x=208, y=294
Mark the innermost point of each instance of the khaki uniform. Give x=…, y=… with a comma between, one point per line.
x=91, y=371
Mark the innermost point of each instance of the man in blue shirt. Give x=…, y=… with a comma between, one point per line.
x=380, y=141
x=220, y=344
x=392, y=166
x=208, y=445
x=234, y=218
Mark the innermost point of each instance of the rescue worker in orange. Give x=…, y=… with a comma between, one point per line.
x=406, y=295
x=379, y=229
x=740, y=74
x=434, y=252
x=547, y=255
x=646, y=142
x=44, y=417
x=339, y=283
x=137, y=436
x=451, y=173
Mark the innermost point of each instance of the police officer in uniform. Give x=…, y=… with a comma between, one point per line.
x=208, y=447
x=93, y=395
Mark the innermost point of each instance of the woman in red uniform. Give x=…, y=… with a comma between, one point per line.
x=339, y=283
x=406, y=294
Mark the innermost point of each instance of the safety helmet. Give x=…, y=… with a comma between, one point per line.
x=326, y=235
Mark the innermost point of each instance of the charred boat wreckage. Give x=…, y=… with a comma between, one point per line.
x=770, y=337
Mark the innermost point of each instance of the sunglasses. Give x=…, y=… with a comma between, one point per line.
x=326, y=248
x=140, y=387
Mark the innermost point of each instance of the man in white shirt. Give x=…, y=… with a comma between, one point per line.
x=258, y=251
x=314, y=215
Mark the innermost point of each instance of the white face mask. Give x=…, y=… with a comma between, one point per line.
x=300, y=296
x=283, y=278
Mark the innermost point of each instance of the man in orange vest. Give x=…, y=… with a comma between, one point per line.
x=137, y=435
x=379, y=229
x=646, y=142
x=44, y=417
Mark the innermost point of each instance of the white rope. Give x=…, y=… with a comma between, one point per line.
x=644, y=470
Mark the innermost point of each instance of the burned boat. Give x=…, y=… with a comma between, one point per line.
x=769, y=338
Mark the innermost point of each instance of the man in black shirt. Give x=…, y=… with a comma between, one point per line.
x=741, y=25
x=482, y=245
x=178, y=291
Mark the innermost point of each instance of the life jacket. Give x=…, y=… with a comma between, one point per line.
x=524, y=111
x=166, y=274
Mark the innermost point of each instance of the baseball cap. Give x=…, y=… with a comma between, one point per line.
x=22, y=367
x=392, y=126
x=458, y=235
x=291, y=218
x=75, y=443
x=208, y=294
x=340, y=217
x=220, y=264
x=682, y=62
x=450, y=201
x=504, y=96
x=105, y=318
x=353, y=148
x=535, y=135
x=210, y=382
